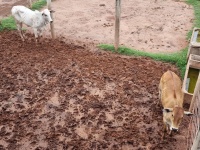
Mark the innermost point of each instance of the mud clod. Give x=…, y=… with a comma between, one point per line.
x=73, y=98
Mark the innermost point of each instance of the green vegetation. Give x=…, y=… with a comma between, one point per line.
x=178, y=58
x=38, y=4
x=9, y=22
x=196, y=5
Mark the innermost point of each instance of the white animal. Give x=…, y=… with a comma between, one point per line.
x=35, y=19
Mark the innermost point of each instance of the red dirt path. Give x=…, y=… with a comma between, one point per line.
x=58, y=95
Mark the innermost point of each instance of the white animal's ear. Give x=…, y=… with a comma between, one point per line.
x=52, y=11
x=188, y=113
x=166, y=110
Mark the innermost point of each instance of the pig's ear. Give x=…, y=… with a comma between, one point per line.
x=188, y=113
x=166, y=110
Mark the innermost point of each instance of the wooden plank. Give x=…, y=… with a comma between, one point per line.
x=196, y=142
x=195, y=35
x=194, y=98
x=194, y=45
x=117, y=22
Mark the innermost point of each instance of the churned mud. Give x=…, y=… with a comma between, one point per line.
x=60, y=95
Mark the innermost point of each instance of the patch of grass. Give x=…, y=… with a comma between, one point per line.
x=196, y=5
x=178, y=58
x=38, y=4
x=9, y=22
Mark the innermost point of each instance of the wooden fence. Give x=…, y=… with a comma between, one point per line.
x=193, y=138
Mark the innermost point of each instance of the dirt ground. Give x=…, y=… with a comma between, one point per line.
x=6, y=5
x=145, y=24
x=58, y=95
x=68, y=94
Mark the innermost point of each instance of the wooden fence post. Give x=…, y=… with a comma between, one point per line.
x=52, y=23
x=117, y=22
x=30, y=3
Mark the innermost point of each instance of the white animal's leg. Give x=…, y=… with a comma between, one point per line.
x=39, y=32
x=22, y=32
x=19, y=28
x=36, y=34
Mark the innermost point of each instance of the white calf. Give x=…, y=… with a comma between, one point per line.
x=35, y=19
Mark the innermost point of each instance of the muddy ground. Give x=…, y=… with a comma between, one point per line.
x=6, y=5
x=57, y=95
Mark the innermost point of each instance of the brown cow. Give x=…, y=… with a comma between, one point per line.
x=171, y=96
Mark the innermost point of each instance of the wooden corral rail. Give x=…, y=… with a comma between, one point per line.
x=117, y=22
x=190, y=78
x=52, y=23
x=193, y=138
x=194, y=46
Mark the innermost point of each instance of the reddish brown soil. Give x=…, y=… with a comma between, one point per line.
x=6, y=5
x=58, y=95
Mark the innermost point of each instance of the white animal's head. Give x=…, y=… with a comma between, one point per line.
x=46, y=15
x=174, y=116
